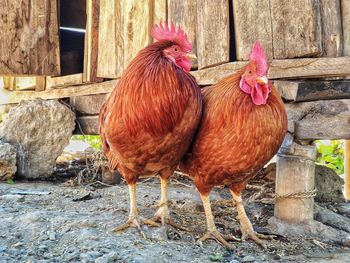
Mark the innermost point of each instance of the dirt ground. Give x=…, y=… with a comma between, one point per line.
x=52, y=222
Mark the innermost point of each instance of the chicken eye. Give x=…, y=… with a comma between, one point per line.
x=175, y=49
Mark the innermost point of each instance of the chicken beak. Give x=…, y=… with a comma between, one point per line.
x=191, y=56
x=262, y=80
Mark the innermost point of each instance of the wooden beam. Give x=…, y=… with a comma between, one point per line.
x=90, y=104
x=40, y=83
x=213, y=20
x=9, y=97
x=347, y=170
x=247, y=30
x=295, y=175
x=345, y=8
x=29, y=37
x=298, y=91
x=282, y=69
x=296, y=28
x=91, y=41
x=64, y=81
x=181, y=13
x=332, y=35
x=324, y=119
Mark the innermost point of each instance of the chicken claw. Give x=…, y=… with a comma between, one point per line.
x=136, y=222
x=220, y=238
x=246, y=226
x=162, y=215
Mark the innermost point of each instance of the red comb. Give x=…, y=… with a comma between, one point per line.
x=177, y=35
x=258, y=55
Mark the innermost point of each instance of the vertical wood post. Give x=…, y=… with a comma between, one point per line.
x=295, y=182
x=347, y=170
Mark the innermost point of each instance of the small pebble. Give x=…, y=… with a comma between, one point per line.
x=248, y=258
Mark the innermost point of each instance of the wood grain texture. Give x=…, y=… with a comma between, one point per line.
x=91, y=41
x=29, y=40
x=279, y=69
x=184, y=13
x=89, y=105
x=332, y=35
x=64, y=81
x=295, y=174
x=160, y=11
x=248, y=30
x=107, y=54
x=324, y=119
x=124, y=29
x=10, y=97
x=298, y=91
x=345, y=8
x=213, y=39
x=296, y=28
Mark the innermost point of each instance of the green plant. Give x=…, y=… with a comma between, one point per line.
x=93, y=140
x=331, y=154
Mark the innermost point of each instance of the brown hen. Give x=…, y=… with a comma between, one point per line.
x=149, y=120
x=243, y=125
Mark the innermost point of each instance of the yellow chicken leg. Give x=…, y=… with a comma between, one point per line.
x=134, y=219
x=246, y=226
x=212, y=232
x=162, y=213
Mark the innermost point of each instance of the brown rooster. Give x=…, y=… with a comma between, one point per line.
x=150, y=118
x=243, y=125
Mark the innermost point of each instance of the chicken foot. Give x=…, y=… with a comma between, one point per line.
x=134, y=219
x=212, y=232
x=162, y=213
x=246, y=226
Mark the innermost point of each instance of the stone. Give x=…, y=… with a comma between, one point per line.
x=12, y=198
x=329, y=185
x=40, y=130
x=8, y=155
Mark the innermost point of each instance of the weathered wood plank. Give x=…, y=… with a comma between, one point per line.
x=124, y=30
x=296, y=28
x=107, y=35
x=64, y=81
x=182, y=13
x=24, y=83
x=29, y=42
x=298, y=91
x=280, y=69
x=345, y=8
x=87, y=125
x=332, y=36
x=160, y=11
x=9, y=97
x=91, y=41
x=90, y=104
x=213, y=33
x=136, y=24
x=326, y=119
x=40, y=83
x=247, y=30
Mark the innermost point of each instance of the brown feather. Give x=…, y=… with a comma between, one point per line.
x=236, y=138
x=150, y=118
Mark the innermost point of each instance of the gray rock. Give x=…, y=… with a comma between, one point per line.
x=8, y=155
x=12, y=198
x=108, y=258
x=329, y=185
x=89, y=256
x=248, y=258
x=40, y=130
